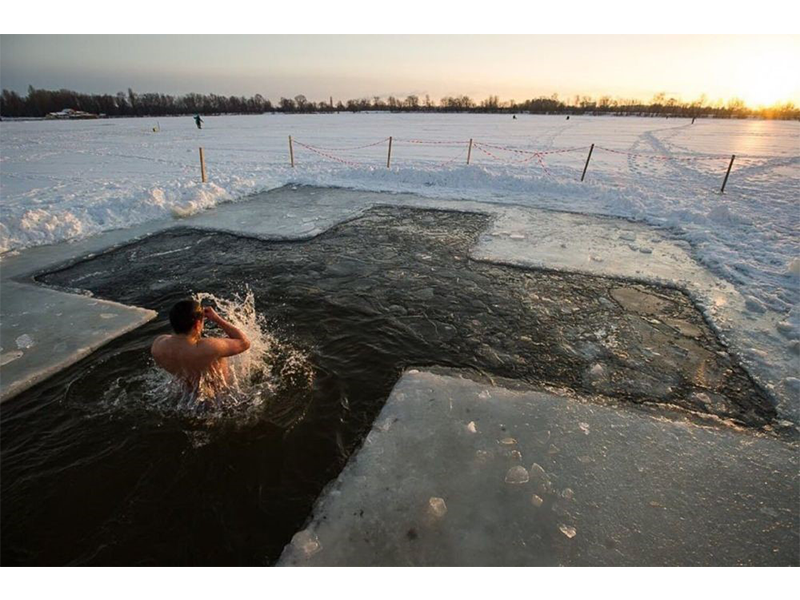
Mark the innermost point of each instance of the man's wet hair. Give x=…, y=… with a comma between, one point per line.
x=184, y=315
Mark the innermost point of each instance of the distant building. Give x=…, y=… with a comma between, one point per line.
x=69, y=113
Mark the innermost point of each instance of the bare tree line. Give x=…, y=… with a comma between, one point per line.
x=38, y=103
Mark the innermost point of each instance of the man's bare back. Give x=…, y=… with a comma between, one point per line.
x=188, y=356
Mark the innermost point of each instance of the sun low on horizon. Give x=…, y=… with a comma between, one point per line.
x=766, y=74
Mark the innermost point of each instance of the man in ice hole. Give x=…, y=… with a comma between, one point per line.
x=192, y=358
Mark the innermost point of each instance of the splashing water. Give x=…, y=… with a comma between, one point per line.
x=269, y=368
x=271, y=380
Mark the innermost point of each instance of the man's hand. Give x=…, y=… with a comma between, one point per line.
x=236, y=343
x=210, y=314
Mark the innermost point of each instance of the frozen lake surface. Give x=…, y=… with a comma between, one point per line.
x=66, y=180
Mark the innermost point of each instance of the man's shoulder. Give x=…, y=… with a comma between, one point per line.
x=207, y=349
x=159, y=342
x=209, y=343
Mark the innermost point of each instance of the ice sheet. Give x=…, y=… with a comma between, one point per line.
x=460, y=473
x=45, y=331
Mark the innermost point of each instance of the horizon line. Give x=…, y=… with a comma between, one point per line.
x=570, y=100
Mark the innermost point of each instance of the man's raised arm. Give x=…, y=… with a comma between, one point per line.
x=237, y=341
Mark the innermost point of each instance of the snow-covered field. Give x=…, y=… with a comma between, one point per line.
x=66, y=180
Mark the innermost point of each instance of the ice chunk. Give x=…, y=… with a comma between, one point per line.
x=537, y=501
x=508, y=441
x=517, y=475
x=537, y=472
x=7, y=357
x=541, y=437
x=597, y=371
x=702, y=397
x=568, y=531
x=24, y=341
x=437, y=507
x=306, y=543
x=567, y=493
x=539, y=479
x=584, y=427
x=758, y=354
x=472, y=428
x=786, y=329
x=793, y=267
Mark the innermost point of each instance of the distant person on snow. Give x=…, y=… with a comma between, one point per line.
x=189, y=356
x=198, y=121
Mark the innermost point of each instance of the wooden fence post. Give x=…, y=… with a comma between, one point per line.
x=389, y=156
x=724, y=181
x=291, y=152
x=202, y=166
x=469, y=151
x=588, y=158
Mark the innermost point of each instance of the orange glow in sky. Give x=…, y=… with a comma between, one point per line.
x=760, y=70
x=767, y=72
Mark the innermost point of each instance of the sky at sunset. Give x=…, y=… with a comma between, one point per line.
x=761, y=70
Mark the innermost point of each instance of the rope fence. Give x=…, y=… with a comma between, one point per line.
x=315, y=150
x=378, y=143
x=511, y=155
x=646, y=155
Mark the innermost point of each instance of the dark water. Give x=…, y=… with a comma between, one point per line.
x=91, y=474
